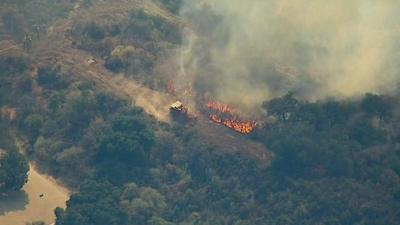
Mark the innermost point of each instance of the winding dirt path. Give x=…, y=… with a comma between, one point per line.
x=56, y=48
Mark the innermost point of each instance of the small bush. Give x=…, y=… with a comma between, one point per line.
x=94, y=31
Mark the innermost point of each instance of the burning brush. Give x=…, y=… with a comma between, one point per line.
x=224, y=115
x=219, y=107
x=171, y=88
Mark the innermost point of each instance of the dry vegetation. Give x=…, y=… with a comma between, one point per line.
x=90, y=103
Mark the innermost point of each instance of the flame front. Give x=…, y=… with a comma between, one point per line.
x=219, y=107
x=224, y=115
x=241, y=127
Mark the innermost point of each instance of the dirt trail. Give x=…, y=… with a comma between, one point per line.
x=56, y=48
x=28, y=206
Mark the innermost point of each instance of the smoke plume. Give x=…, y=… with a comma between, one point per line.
x=250, y=51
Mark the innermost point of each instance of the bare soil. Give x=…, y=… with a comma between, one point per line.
x=27, y=205
x=56, y=48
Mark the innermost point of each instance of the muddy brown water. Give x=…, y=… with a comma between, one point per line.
x=27, y=205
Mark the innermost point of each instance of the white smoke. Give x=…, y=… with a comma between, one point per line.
x=250, y=51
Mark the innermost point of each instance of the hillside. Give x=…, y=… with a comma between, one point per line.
x=88, y=101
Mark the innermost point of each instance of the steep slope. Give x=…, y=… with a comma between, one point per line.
x=57, y=49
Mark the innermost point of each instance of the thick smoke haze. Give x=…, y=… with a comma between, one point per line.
x=250, y=51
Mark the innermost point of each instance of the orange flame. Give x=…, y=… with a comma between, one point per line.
x=223, y=111
x=171, y=88
x=216, y=119
x=241, y=127
x=219, y=107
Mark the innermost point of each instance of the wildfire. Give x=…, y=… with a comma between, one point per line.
x=223, y=115
x=171, y=88
x=241, y=127
x=188, y=91
x=219, y=107
x=215, y=119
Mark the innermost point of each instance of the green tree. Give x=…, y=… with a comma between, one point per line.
x=13, y=171
x=377, y=105
x=32, y=124
x=25, y=84
x=127, y=140
x=51, y=78
x=282, y=107
x=47, y=149
x=143, y=204
x=97, y=203
x=71, y=162
x=94, y=31
x=14, y=21
x=78, y=111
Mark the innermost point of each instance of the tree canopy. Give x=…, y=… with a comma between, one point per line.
x=13, y=171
